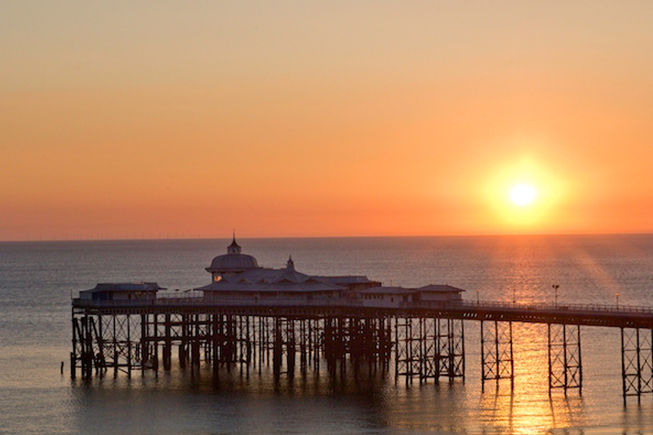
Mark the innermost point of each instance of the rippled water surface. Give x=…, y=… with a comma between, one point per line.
x=37, y=279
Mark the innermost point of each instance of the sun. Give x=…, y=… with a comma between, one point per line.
x=523, y=194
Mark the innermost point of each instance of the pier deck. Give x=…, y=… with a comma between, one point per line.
x=571, y=314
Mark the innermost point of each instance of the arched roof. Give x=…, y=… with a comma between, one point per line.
x=233, y=261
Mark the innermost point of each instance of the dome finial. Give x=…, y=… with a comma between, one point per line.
x=290, y=264
x=234, y=248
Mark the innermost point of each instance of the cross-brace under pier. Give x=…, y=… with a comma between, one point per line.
x=429, y=348
x=636, y=362
x=565, y=362
x=497, y=360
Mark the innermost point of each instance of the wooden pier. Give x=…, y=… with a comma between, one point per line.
x=416, y=341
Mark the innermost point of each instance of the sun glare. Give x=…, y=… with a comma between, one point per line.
x=522, y=194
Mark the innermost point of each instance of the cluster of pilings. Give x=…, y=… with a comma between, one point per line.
x=636, y=362
x=419, y=347
x=429, y=348
x=118, y=342
x=563, y=350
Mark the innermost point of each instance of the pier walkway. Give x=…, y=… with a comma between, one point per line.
x=622, y=316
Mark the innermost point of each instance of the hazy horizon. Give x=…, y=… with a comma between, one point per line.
x=239, y=239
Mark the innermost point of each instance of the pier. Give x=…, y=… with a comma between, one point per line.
x=250, y=317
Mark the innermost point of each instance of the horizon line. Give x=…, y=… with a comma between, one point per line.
x=118, y=239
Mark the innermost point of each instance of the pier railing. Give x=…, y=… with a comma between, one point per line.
x=199, y=301
x=543, y=306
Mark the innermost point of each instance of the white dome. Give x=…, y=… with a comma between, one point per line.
x=233, y=261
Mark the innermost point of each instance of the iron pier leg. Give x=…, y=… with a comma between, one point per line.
x=483, y=369
x=73, y=354
x=624, y=390
x=101, y=359
x=248, y=346
x=636, y=362
x=564, y=355
x=397, y=349
x=155, y=358
x=497, y=359
x=278, y=343
x=167, y=351
x=290, y=347
x=451, y=338
x=129, y=348
x=215, y=327
x=404, y=360
x=550, y=355
x=144, y=343
x=115, y=347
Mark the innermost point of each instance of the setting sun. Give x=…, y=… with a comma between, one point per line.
x=528, y=193
x=522, y=194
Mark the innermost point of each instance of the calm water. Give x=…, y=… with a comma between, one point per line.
x=37, y=278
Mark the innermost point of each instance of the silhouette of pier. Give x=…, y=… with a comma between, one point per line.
x=416, y=340
x=251, y=316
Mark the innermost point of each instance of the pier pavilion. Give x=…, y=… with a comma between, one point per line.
x=250, y=316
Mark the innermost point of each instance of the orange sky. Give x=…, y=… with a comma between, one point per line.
x=167, y=119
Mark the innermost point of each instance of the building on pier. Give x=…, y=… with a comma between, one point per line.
x=121, y=292
x=233, y=262
x=396, y=297
x=238, y=277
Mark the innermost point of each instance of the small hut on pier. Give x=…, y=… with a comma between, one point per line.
x=121, y=291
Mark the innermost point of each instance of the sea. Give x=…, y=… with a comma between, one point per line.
x=38, y=280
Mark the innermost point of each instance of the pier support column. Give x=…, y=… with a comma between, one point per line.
x=565, y=362
x=277, y=349
x=215, y=348
x=183, y=345
x=195, y=337
x=407, y=338
x=386, y=343
x=304, y=346
x=129, y=348
x=84, y=338
x=428, y=356
x=167, y=343
x=497, y=360
x=74, y=353
x=636, y=362
x=144, y=344
x=451, y=348
x=331, y=344
x=316, y=333
x=155, y=345
x=290, y=342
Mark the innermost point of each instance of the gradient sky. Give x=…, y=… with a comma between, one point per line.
x=148, y=119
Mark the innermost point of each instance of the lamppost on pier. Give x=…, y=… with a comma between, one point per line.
x=617, y=296
x=478, y=300
x=555, y=288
